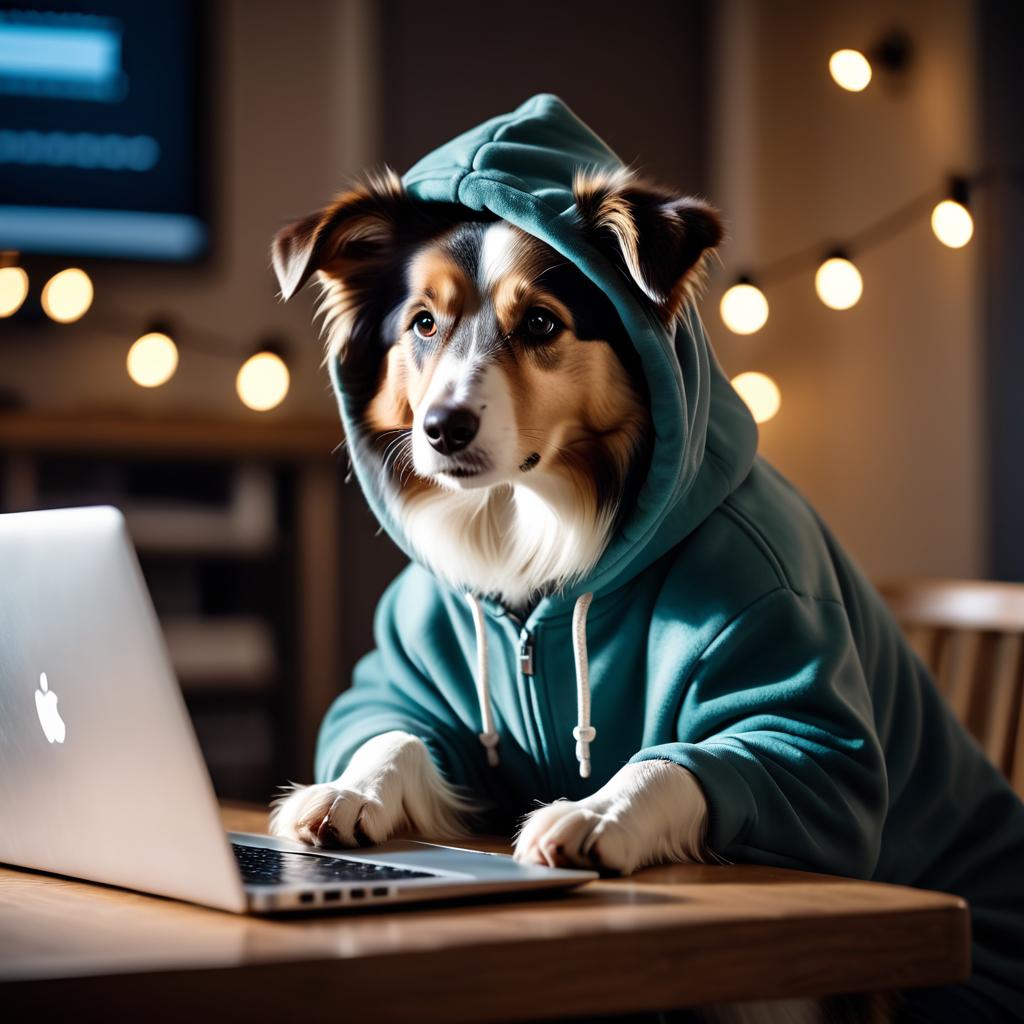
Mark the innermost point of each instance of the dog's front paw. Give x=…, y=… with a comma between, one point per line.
x=648, y=812
x=333, y=814
x=574, y=834
x=389, y=786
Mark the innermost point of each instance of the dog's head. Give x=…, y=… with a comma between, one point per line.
x=477, y=357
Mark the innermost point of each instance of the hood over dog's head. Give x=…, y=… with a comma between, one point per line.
x=493, y=396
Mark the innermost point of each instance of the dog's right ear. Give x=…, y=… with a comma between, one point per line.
x=361, y=224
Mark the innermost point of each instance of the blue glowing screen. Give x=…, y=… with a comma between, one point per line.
x=101, y=140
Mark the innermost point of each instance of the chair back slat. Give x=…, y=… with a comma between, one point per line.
x=958, y=655
x=1017, y=768
x=970, y=635
x=925, y=643
x=999, y=712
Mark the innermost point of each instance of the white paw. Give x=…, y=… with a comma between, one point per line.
x=335, y=815
x=648, y=812
x=389, y=786
x=573, y=834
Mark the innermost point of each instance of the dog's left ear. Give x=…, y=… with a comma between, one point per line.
x=659, y=238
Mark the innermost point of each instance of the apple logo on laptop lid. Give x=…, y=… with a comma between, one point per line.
x=53, y=725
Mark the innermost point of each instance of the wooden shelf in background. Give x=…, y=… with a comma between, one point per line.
x=223, y=654
x=125, y=435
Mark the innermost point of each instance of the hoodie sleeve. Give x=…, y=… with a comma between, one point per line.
x=776, y=724
x=391, y=691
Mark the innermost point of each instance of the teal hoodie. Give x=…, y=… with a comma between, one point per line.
x=728, y=633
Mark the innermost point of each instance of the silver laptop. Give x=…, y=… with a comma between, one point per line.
x=101, y=776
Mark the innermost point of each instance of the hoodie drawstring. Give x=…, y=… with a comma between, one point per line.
x=489, y=737
x=584, y=733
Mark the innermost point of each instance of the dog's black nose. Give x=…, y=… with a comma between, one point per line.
x=449, y=428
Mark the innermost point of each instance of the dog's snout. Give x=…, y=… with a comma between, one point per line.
x=450, y=428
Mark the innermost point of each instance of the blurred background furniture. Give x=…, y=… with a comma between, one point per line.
x=970, y=634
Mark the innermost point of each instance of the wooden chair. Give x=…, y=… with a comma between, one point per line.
x=971, y=636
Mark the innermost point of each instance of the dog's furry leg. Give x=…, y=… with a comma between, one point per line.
x=389, y=786
x=649, y=812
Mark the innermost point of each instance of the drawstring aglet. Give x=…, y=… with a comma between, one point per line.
x=584, y=736
x=489, y=740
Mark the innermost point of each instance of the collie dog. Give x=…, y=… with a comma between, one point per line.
x=500, y=404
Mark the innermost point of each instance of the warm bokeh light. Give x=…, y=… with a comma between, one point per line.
x=262, y=382
x=760, y=393
x=838, y=283
x=850, y=70
x=744, y=308
x=952, y=223
x=67, y=296
x=13, y=289
x=152, y=360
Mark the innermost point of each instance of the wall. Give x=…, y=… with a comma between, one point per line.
x=881, y=418
x=641, y=85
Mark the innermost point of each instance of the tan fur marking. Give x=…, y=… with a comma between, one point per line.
x=434, y=274
x=514, y=295
x=390, y=408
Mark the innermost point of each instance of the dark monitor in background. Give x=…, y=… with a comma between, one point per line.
x=101, y=129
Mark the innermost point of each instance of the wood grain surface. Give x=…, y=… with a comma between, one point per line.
x=667, y=937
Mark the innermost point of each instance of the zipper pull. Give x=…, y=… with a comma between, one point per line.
x=526, y=653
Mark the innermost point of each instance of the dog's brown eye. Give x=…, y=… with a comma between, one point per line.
x=424, y=325
x=539, y=323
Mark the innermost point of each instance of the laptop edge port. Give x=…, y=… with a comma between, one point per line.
x=332, y=896
x=306, y=897
x=381, y=890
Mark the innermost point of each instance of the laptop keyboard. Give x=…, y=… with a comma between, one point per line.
x=262, y=866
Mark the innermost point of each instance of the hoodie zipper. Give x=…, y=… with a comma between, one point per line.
x=525, y=655
x=526, y=652
x=527, y=669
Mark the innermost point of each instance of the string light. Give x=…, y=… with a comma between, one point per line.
x=838, y=282
x=760, y=393
x=850, y=70
x=152, y=359
x=68, y=295
x=853, y=70
x=951, y=219
x=13, y=289
x=744, y=308
x=263, y=380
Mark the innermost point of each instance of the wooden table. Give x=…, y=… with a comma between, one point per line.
x=668, y=937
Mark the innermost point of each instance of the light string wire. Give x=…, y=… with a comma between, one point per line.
x=874, y=234
x=184, y=335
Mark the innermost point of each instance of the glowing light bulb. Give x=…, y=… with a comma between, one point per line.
x=13, y=289
x=152, y=360
x=952, y=223
x=67, y=296
x=263, y=381
x=850, y=70
x=838, y=283
x=744, y=308
x=760, y=393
